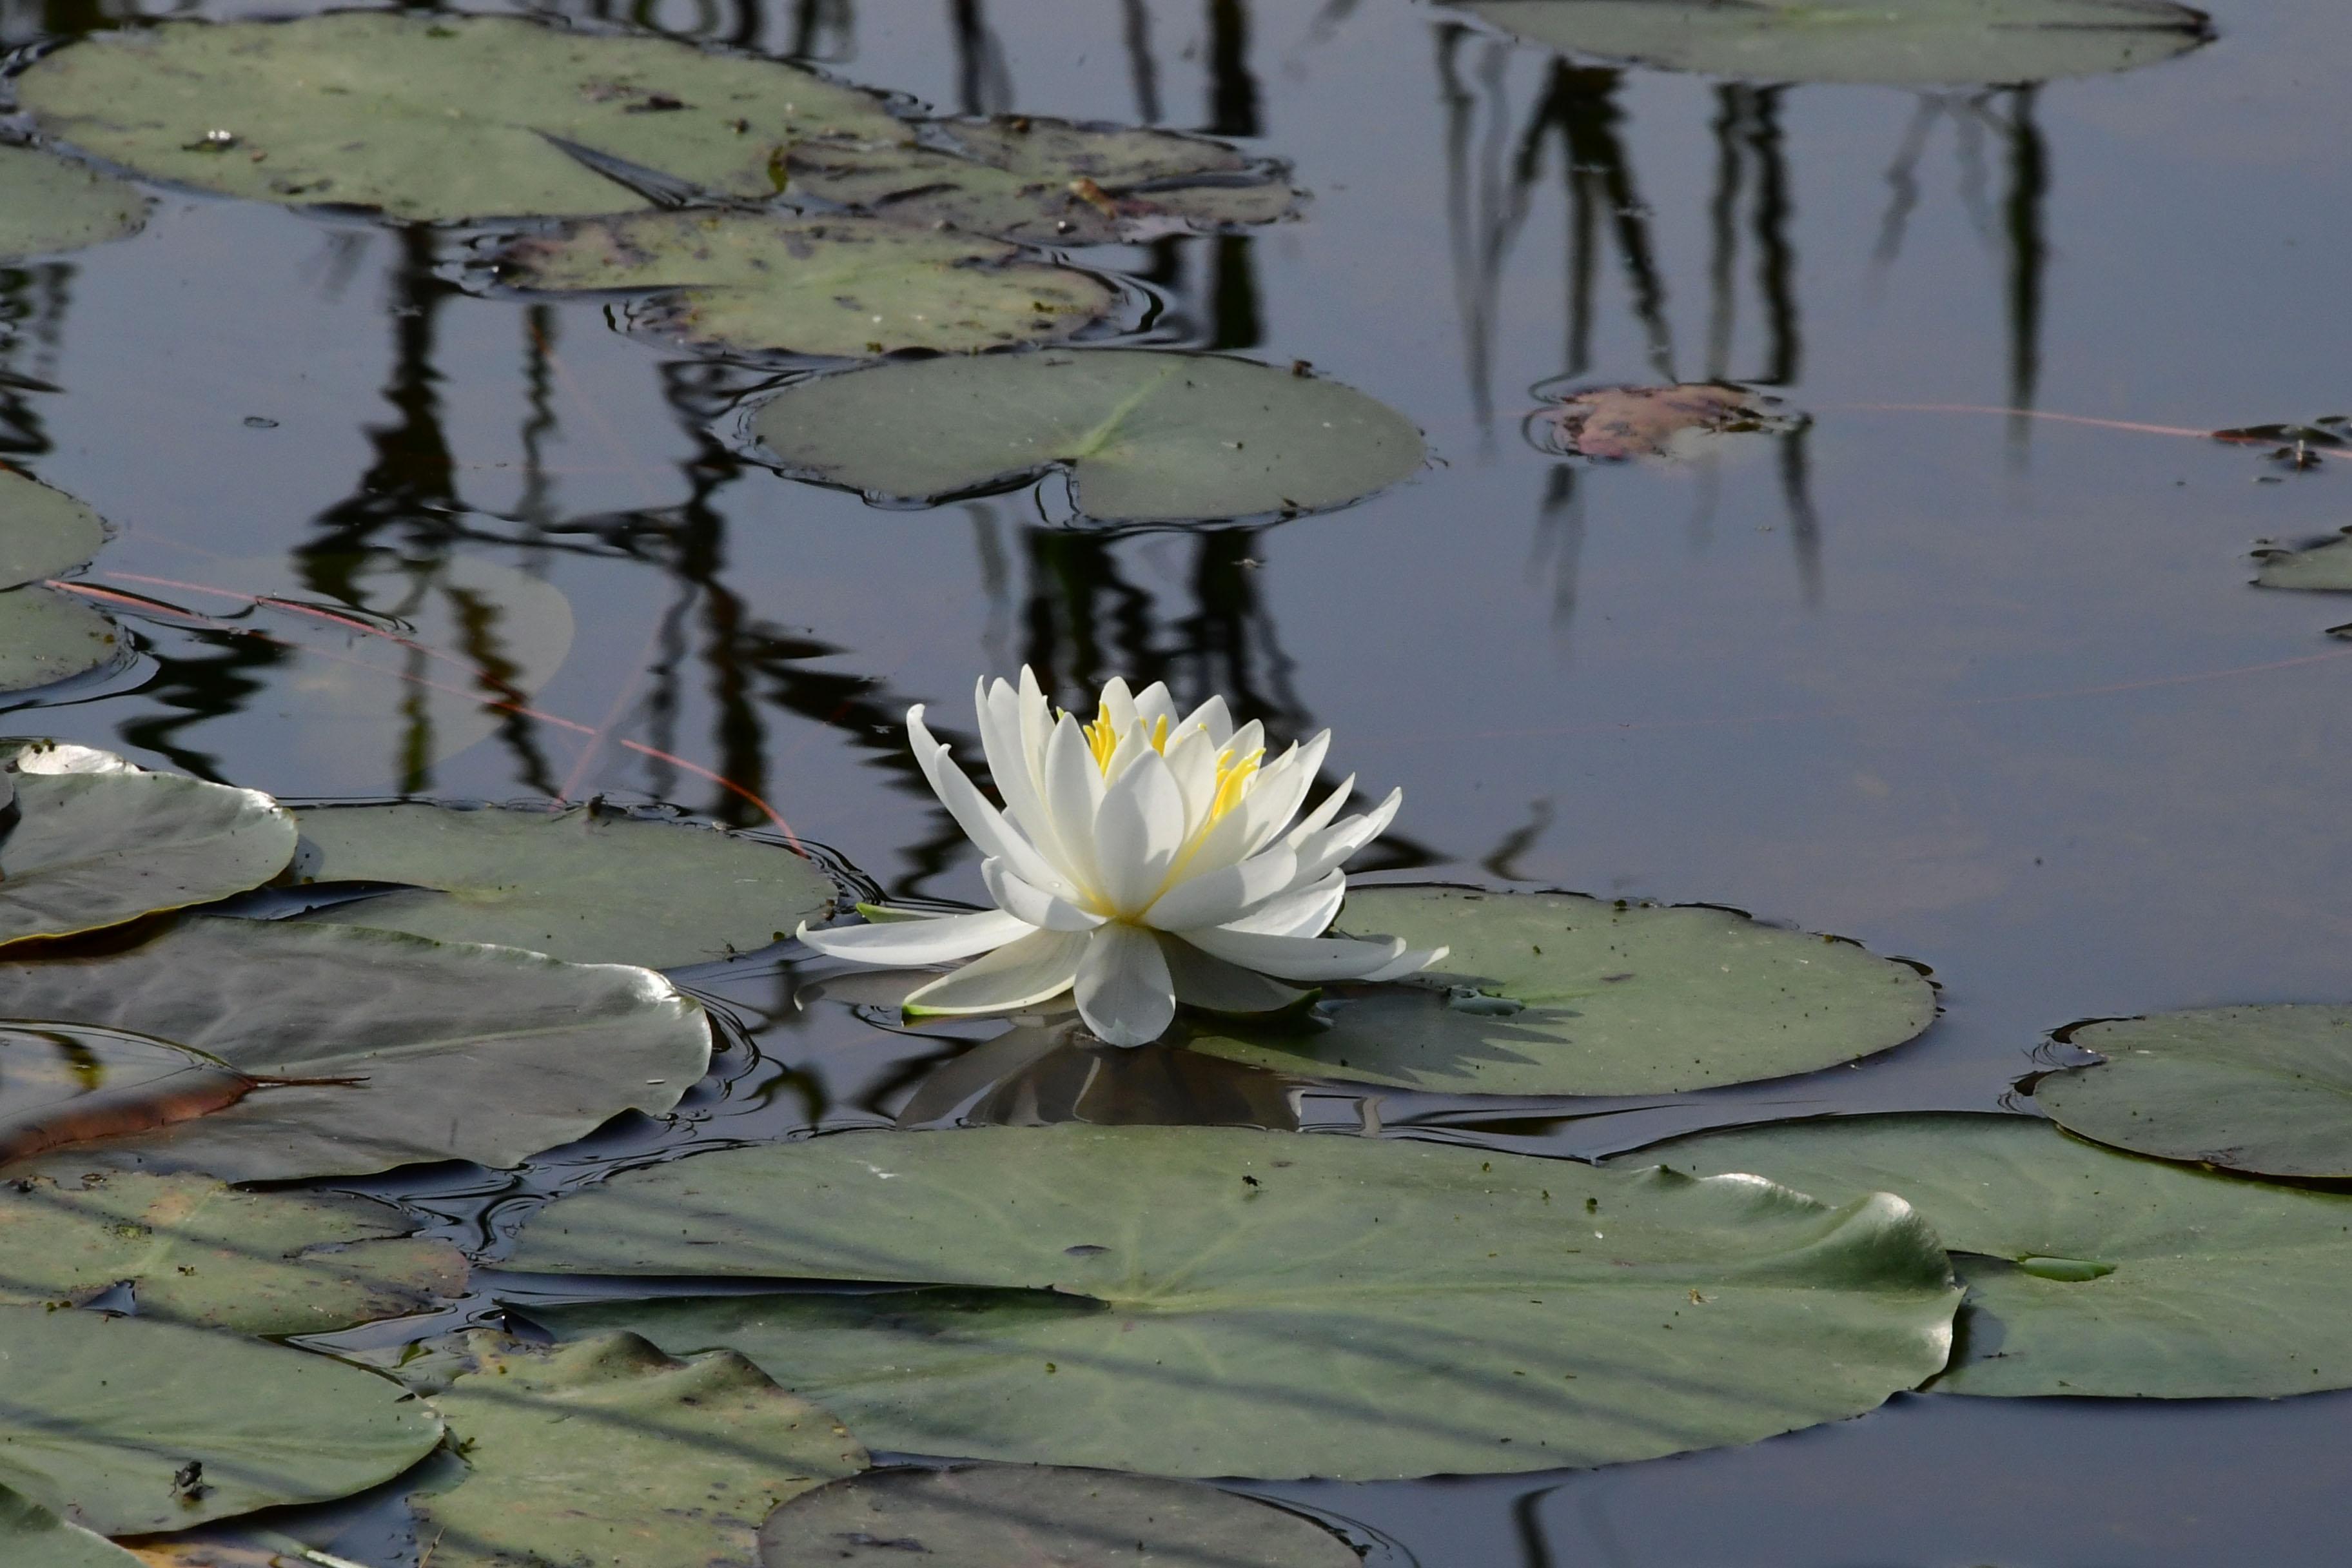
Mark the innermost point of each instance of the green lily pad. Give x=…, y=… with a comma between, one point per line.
x=609, y=1440
x=1898, y=43
x=46, y=205
x=63, y=1083
x=434, y=117
x=101, y=1416
x=1146, y=436
x=193, y=1250
x=2263, y=1089
x=1016, y=1516
x=33, y=1537
x=42, y=531
x=835, y=286
x=1048, y=182
x=1205, y=1302
x=47, y=637
x=93, y=849
x=582, y=884
x=414, y=1050
x=1556, y=994
x=2327, y=568
x=2089, y=1272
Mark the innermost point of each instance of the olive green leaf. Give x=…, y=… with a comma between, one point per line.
x=47, y=637
x=2326, y=567
x=43, y=532
x=46, y=205
x=33, y=1537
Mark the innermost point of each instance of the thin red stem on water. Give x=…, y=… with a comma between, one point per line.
x=2129, y=425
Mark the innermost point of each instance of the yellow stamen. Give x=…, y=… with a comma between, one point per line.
x=1102, y=741
x=1233, y=775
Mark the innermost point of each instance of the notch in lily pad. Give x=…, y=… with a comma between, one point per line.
x=1145, y=436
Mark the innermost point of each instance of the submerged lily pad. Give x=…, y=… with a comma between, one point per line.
x=433, y=117
x=33, y=1537
x=2264, y=1090
x=585, y=884
x=1899, y=43
x=2089, y=1272
x=1146, y=436
x=416, y=1050
x=1204, y=1301
x=1048, y=182
x=570, y=1453
x=64, y=1084
x=1611, y=423
x=840, y=286
x=1556, y=994
x=128, y=1425
x=1017, y=1516
x=193, y=1250
x=95, y=848
x=2326, y=567
x=47, y=637
x=43, y=532
x=47, y=205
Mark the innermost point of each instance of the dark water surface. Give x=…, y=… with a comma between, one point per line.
x=1985, y=690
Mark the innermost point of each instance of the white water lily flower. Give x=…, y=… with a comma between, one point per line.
x=1141, y=860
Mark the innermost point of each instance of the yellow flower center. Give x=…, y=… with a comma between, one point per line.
x=1233, y=773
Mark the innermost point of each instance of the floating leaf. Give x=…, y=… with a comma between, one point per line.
x=2089, y=1272
x=2264, y=1090
x=47, y=637
x=2326, y=567
x=416, y=1050
x=433, y=117
x=1145, y=435
x=840, y=286
x=1613, y=423
x=1204, y=1301
x=46, y=205
x=1048, y=182
x=33, y=1537
x=610, y=1440
x=1017, y=1516
x=1899, y=43
x=42, y=531
x=1555, y=993
x=95, y=848
x=193, y=1250
x=585, y=884
x=127, y=1425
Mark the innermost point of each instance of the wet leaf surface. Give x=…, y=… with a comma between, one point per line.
x=47, y=637
x=437, y=117
x=2089, y=1272
x=1016, y=1516
x=2326, y=567
x=102, y=1417
x=838, y=286
x=418, y=1050
x=43, y=532
x=572, y=1451
x=1145, y=436
x=1195, y=1301
x=33, y=1537
x=48, y=205
x=1049, y=182
x=1617, y=423
x=66, y=1084
x=1556, y=994
x=2261, y=1090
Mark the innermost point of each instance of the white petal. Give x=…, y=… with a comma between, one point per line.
x=1317, y=820
x=1302, y=911
x=1018, y=974
x=1298, y=957
x=1031, y=903
x=904, y=943
x=1204, y=981
x=1134, y=742
x=1011, y=766
x=1036, y=723
x=1250, y=737
x=1153, y=704
x=1074, y=787
x=1138, y=827
x=1225, y=895
x=1330, y=848
x=1116, y=705
x=1213, y=717
x=1410, y=963
x=1124, y=991
x=1277, y=792
x=1192, y=758
x=981, y=823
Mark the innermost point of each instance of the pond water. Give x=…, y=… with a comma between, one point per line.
x=1957, y=671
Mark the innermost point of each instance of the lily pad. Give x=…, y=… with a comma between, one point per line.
x=33, y=1537
x=1613, y=423
x=1205, y=1302
x=65, y=1084
x=127, y=1425
x=2263, y=1089
x=43, y=532
x=2089, y=1272
x=46, y=205
x=434, y=117
x=609, y=1440
x=93, y=849
x=1049, y=182
x=193, y=1250
x=1556, y=994
x=837, y=286
x=412, y=1050
x=585, y=884
x=2326, y=567
x=1898, y=43
x=1146, y=436
x=1016, y=1516
x=47, y=637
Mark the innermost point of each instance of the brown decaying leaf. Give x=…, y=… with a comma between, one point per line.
x=1617, y=423
x=61, y=1086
